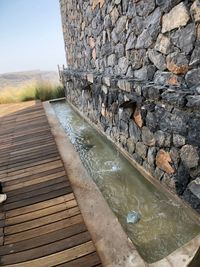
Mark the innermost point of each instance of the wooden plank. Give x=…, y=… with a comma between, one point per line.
x=25, y=189
x=40, y=213
x=43, y=239
x=60, y=257
x=33, y=200
x=44, y=190
x=39, y=206
x=45, y=250
x=32, y=182
x=40, y=223
x=36, y=232
x=90, y=260
x=8, y=230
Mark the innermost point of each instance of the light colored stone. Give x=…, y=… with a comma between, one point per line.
x=195, y=10
x=163, y=161
x=106, y=81
x=90, y=78
x=177, y=17
x=94, y=55
x=124, y=85
x=96, y=2
x=163, y=44
x=189, y=156
x=194, y=187
x=114, y=15
x=157, y=59
x=111, y=60
x=123, y=65
x=121, y=24
x=104, y=89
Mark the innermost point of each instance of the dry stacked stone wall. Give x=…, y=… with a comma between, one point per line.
x=134, y=70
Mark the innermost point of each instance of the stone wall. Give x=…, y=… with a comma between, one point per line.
x=134, y=70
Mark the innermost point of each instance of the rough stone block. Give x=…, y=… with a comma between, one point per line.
x=195, y=10
x=147, y=137
x=157, y=59
x=177, y=63
x=163, y=161
x=189, y=156
x=184, y=38
x=163, y=44
x=178, y=16
x=141, y=149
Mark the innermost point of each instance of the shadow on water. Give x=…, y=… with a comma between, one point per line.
x=164, y=225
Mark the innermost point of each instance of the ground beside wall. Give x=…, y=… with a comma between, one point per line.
x=134, y=69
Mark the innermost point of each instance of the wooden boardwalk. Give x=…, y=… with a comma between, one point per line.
x=40, y=223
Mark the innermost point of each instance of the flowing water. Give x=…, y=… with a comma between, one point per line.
x=164, y=224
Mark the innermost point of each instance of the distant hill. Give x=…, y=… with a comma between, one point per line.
x=17, y=79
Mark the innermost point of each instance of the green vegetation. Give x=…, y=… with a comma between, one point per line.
x=33, y=91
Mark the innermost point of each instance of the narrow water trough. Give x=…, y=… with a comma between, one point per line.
x=163, y=225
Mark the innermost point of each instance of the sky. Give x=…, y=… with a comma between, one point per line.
x=30, y=35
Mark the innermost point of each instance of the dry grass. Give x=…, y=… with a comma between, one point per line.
x=37, y=90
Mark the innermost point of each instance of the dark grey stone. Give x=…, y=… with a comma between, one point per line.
x=107, y=22
x=167, y=5
x=177, y=63
x=147, y=137
x=134, y=131
x=121, y=24
x=152, y=92
x=141, y=149
x=137, y=158
x=131, y=41
x=194, y=132
x=131, y=145
x=162, y=139
x=137, y=57
x=175, y=156
x=193, y=77
x=184, y=38
x=189, y=156
x=194, y=187
x=174, y=97
x=112, y=60
x=193, y=101
x=193, y=191
x=157, y=59
x=145, y=73
x=152, y=23
x=143, y=8
x=119, y=50
x=195, y=57
x=178, y=140
x=158, y=173
x=144, y=40
x=182, y=179
x=151, y=155
x=167, y=78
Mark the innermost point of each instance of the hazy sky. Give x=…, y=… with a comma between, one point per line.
x=30, y=35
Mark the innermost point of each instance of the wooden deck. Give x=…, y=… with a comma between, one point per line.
x=40, y=223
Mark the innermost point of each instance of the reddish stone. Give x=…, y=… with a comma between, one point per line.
x=138, y=118
x=163, y=161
